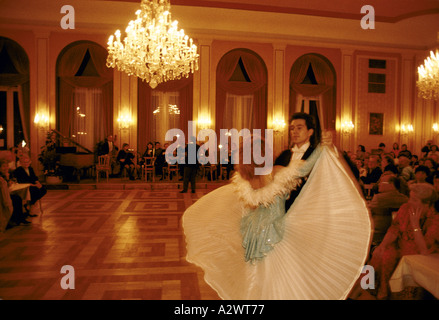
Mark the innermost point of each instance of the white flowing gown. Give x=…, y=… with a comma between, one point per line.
x=324, y=247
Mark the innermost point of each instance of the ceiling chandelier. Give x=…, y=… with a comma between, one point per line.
x=428, y=80
x=153, y=49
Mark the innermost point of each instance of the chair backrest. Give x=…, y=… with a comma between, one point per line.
x=104, y=160
x=149, y=161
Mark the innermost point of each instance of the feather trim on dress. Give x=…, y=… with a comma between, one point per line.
x=286, y=180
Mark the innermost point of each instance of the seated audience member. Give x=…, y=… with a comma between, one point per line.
x=361, y=152
x=387, y=160
x=11, y=206
x=361, y=169
x=433, y=150
x=388, y=197
x=150, y=150
x=427, y=148
x=405, y=152
x=374, y=171
x=26, y=174
x=415, y=230
x=431, y=164
x=405, y=169
x=421, y=175
x=125, y=157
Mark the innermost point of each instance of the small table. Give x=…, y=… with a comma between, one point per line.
x=21, y=189
x=417, y=271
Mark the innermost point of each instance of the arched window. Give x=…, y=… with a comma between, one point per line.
x=166, y=107
x=312, y=89
x=14, y=94
x=241, y=93
x=85, y=93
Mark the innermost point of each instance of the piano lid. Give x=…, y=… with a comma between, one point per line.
x=71, y=140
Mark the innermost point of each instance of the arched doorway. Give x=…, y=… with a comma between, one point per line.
x=313, y=89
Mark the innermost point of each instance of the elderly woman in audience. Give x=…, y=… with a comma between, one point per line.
x=12, y=205
x=415, y=230
x=26, y=174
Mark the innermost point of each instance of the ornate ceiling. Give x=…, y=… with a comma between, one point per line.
x=385, y=10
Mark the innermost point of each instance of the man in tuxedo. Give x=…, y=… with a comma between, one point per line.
x=109, y=148
x=304, y=138
x=190, y=169
x=26, y=174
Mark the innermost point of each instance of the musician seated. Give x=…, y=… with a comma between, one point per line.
x=125, y=158
x=26, y=174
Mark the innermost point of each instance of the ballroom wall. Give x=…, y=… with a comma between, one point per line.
x=43, y=43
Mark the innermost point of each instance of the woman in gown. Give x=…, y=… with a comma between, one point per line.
x=249, y=248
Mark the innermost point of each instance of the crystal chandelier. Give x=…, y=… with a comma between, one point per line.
x=153, y=49
x=428, y=81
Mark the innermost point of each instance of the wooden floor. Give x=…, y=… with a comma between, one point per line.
x=122, y=244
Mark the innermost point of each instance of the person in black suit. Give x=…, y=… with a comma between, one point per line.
x=125, y=157
x=304, y=138
x=190, y=169
x=108, y=147
x=26, y=174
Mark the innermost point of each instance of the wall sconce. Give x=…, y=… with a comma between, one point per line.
x=41, y=121
x=279, y=125
x=124, y=121
x=406, y=129
x=204, y=123
x=436, y=128
x=347, y=127
x=1, y=129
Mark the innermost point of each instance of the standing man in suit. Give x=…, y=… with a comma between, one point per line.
x=304, y=138
x=190, y=168
x=26, y=174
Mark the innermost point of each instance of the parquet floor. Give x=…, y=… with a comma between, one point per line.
x=122, y=244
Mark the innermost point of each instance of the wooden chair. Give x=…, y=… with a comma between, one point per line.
x=209, y=168
x=172, y=168
x=103, y=165
x=223, y=173
x=149, y=168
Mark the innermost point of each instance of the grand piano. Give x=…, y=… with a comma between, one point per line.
x=76, y=163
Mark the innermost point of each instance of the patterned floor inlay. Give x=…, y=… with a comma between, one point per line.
x=121, y=244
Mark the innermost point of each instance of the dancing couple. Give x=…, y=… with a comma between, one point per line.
x=300, y=232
